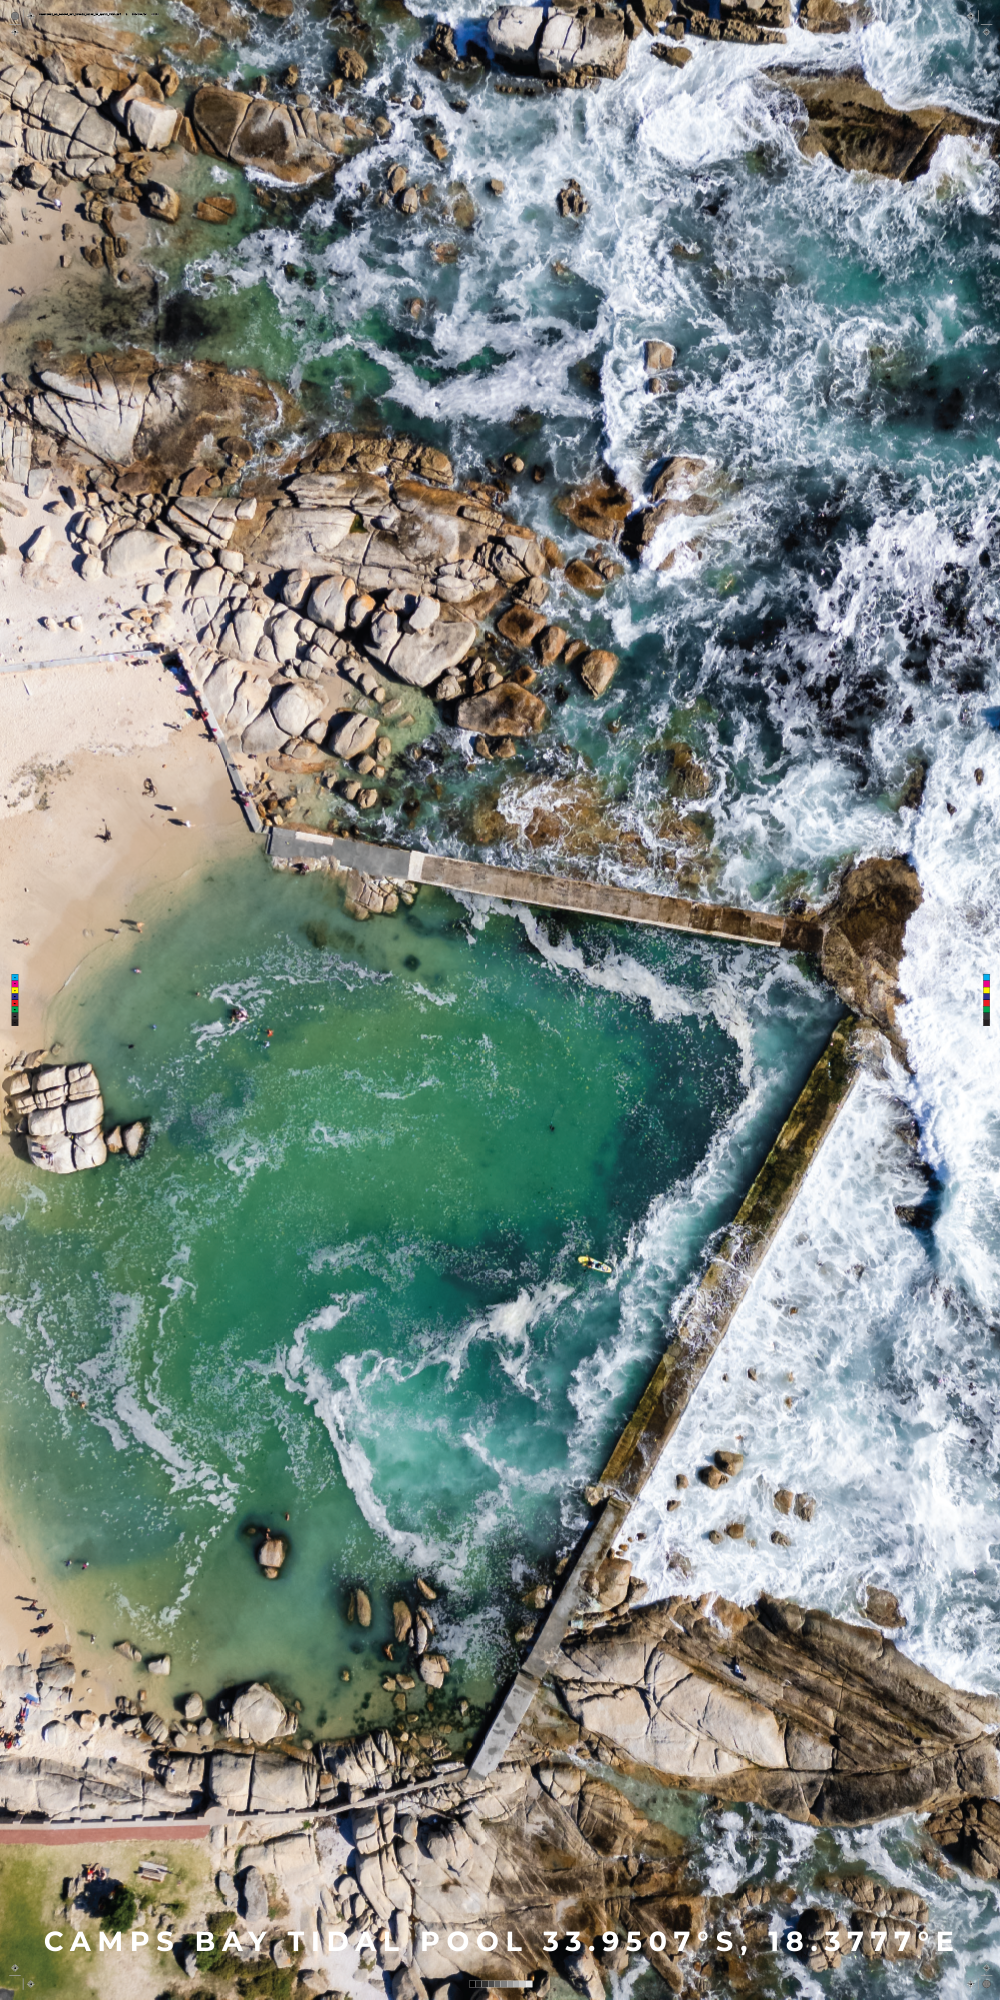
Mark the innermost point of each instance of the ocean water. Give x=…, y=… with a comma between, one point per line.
x=343, y=1283
x=826, y=644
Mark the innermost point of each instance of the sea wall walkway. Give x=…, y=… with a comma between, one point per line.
x=669, y=1391
x=549, y=892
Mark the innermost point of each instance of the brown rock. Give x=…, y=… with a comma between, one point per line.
x=668, y=52
x=729, y=1461
x=657, y=354
x=583, y=577
x=215, y=208
x=863, y=933
x=402, y=1620
x=736, y=1530
x=256, y=132
x=609, y=1582
x=711, y=1476
x=780, y=1540
x=350, y=65
x=883, y=1609
x=825, y=1722
x=163, y=202
x=599, y=507
x=521, y=625
x=826, y=17
x=805, y=1506
x=537, y=1597
x=852, y=124
x=597, y=671
x=783, y=1499
x=551, y=644
x=570, y=201
x=507, y=710
x=969, y=1833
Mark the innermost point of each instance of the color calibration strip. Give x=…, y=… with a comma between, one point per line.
x=15, y=999
x=986, y=999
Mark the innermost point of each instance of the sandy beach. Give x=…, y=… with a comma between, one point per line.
x=78, y=744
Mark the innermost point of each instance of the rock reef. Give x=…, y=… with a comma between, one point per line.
x=393, y=1842
x=826, y=1722
x=850, y=123
x=58, y=1109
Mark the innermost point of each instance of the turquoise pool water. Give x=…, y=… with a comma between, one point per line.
x=343, y=1283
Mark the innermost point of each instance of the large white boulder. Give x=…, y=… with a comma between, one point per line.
x=306, y=538
x=569, y=42
x=89, y=1150
x=151, y=126
x=46, y=1124
x=136, y=553
x=84, y=1115
x=263, y=735
x=294, y=708
x=357, y=734
x=422, y=657
x=258, y=1716
x=53, y=1155
x=514, y=34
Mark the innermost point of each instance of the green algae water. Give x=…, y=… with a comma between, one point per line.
x=342, y=1285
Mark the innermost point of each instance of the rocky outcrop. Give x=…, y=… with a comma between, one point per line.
x=56, y=124
x=863, y=938
x=507, y=710
x=575, y=45
x=969, y=1833
x=124, y=409
x=823, y=1721
x=57, y=1108
x=308, y=607
x=294, y=144
x=848, y=121
x=677, y=492
x=735, y=20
